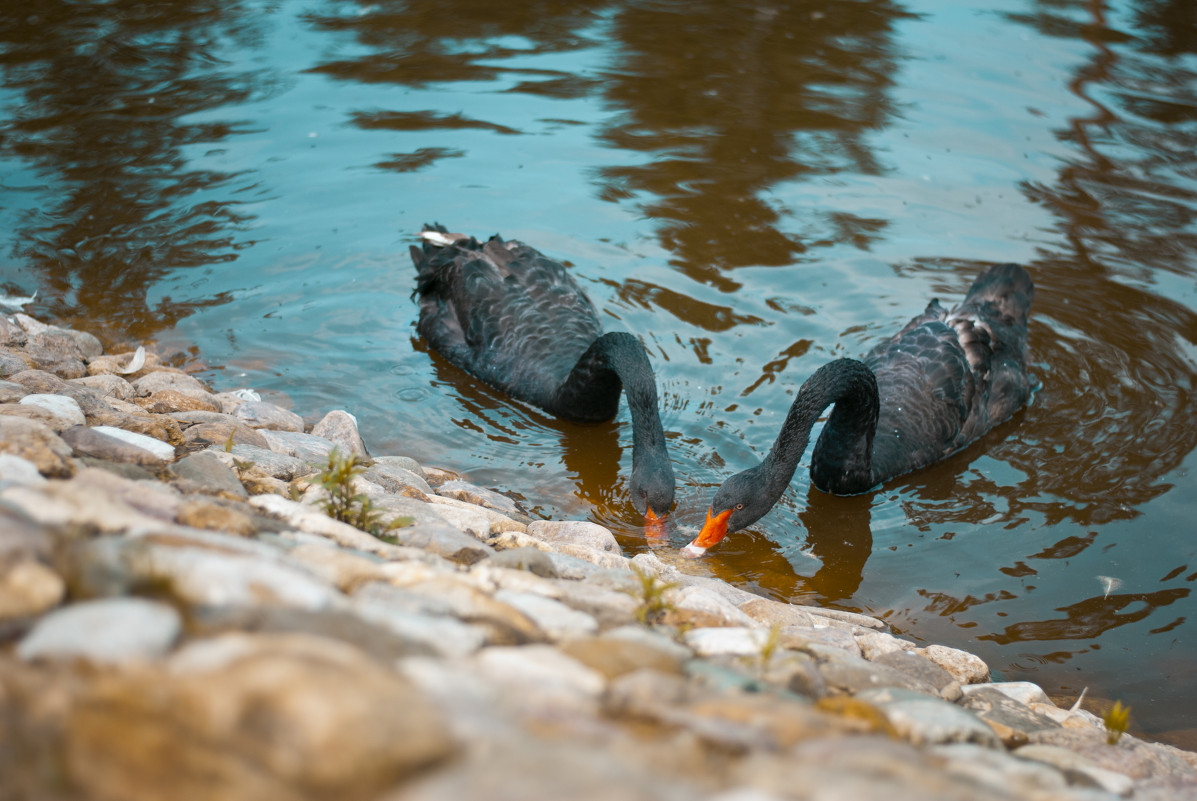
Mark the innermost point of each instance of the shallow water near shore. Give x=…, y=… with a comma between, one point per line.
x=753, y=189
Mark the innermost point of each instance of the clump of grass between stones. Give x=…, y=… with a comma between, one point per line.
x=651, y=594
x=1117, y=720
x=348, y=506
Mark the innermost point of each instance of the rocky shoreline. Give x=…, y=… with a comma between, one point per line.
x=181, y=618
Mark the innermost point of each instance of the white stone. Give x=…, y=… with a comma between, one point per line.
x=63, y=407
x=575, y=531
x=1025, y=692
x=727, y=640
x=160, y=449
x=700, y=599
x=965, y=668
x=15, y=471
x=107, y=631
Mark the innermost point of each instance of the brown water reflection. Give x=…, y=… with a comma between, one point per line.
x=752, y=188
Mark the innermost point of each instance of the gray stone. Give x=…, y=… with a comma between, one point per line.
x=101, y=444
x=108, y=385
x=89, y=345
x=308, y=447
x=107, y=631
x=272, y=463
x=16, y=471
x=163, y=450
x=923, y=671
x=552, y=617
x=443, y=540
x=1011, y=720
x=394, y=477
x=263, y=414
x=11, y=391
x=438, y=634
x=210, y=473
x=577, y=532
x=11, y=333
x=609, y=607
x=527, y=558
x=924, y=719
x=340, y=428
x=160, y=380
x=464, y=491
x=199, y=436
x=56, y=351
x=308, y=519
x=1077, y=768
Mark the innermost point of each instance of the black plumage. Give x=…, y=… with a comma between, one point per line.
x=928, y=391
x=515, y=318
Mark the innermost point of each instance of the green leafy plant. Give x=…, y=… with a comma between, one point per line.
x=343, y=504
x=1117, y=719
x=651, y=594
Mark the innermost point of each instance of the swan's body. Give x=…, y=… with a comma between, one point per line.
x=516, y=319
x=934, y=387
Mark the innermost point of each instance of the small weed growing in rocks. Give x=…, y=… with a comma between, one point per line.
x=769, y=647
x=346, y=505
x=653, y=605
x=1117, y=719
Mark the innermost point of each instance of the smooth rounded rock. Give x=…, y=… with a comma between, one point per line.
x=61, y=406
x=107, y=631
x=28, y=588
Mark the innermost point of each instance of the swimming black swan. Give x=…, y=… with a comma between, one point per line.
x=515, y=318
x=938, y=384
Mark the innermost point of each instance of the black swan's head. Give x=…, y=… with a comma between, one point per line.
x=652, y=488
x=740, y=502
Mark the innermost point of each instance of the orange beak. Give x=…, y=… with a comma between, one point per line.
x=713, y=530
x=654, y=527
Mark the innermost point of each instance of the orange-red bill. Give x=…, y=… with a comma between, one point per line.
x=713, y=530
x=655, y=527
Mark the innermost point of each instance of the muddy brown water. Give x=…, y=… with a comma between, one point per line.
x=752, y=188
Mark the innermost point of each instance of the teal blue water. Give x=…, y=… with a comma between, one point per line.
x=751, y=188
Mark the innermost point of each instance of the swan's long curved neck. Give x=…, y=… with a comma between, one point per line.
x=591, y=392
x=847, y=440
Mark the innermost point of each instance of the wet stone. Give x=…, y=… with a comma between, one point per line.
x=107, y=631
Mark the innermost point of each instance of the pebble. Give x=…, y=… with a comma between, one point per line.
x=469, y=654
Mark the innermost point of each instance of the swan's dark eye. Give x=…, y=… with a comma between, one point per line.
x=739, y=506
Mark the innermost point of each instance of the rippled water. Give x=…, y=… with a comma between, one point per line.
x=752, y=188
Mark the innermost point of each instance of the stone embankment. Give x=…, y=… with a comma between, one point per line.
x=180, y=618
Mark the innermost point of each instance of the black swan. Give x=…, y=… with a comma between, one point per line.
x=516, y=319
x=938, y=384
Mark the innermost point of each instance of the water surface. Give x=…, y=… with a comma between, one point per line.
x=752, y=188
